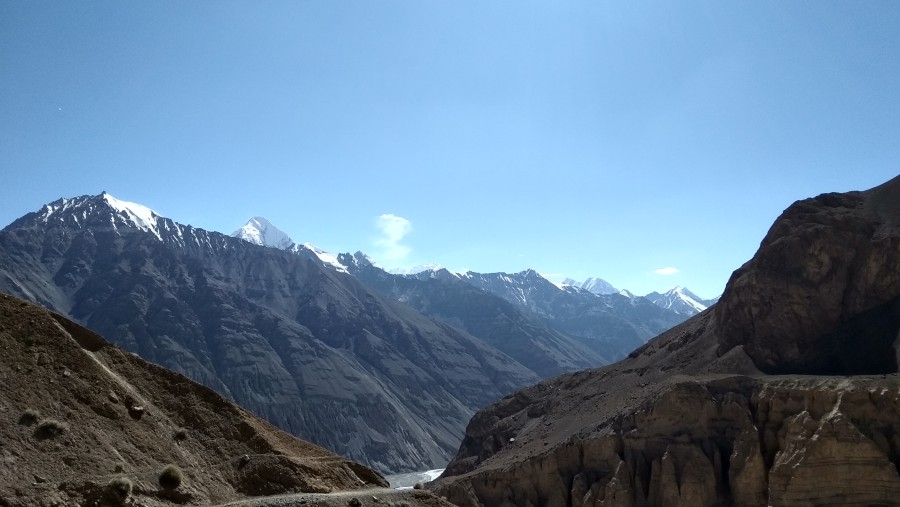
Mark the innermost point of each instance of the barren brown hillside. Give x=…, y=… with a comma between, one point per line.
x=77, y=413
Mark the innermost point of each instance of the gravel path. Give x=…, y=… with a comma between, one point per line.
x=377, y=497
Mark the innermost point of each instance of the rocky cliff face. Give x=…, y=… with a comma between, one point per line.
x=306, y=347
x=732, y=440
x=826, y=275
x=699, y=417
x=113, y=415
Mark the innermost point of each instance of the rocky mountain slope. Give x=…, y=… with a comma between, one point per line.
x=784, y=393
x=305, y=346
x=77, y=413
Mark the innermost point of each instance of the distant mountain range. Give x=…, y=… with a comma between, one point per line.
x=679, y=300
x=608, y=322
x=384, y=368
x=447, y=298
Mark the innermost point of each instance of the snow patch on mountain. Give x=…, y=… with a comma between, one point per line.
x=141, y=216
x=327, y=258
x=689, y=297
x=57, y=207
x=357, y=260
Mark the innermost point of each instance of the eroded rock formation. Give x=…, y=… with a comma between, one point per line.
x=723, y=441
x=826, y=275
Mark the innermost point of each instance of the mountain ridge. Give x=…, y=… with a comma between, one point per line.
x=689, y=304
x=602, y=326
x=263, y=326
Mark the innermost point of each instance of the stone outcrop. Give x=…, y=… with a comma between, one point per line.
x=827, y=272
x=723, y=410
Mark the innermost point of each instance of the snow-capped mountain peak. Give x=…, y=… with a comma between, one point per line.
x=260, y=231
x=593, y=285
x=327, y=258
x=78, y=210
x=598, y=286
x=680, y=300
x=141, y=216
x=415, y=270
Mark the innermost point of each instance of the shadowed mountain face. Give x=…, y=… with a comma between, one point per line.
x=310, y=349
x=78, y=412
x=722, y=410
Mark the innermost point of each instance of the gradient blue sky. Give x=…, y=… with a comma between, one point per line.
x=591, y=138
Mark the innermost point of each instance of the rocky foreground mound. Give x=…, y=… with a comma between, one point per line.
x=84, y=423
x=785, y=393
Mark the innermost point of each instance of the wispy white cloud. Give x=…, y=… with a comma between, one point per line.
x=666, y=271
x=392, y=229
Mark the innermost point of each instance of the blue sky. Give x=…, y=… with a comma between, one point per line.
x=591, y=138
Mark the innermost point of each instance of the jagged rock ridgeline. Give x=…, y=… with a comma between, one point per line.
x=110, y=415
x=308, y=348
x=697, y=417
